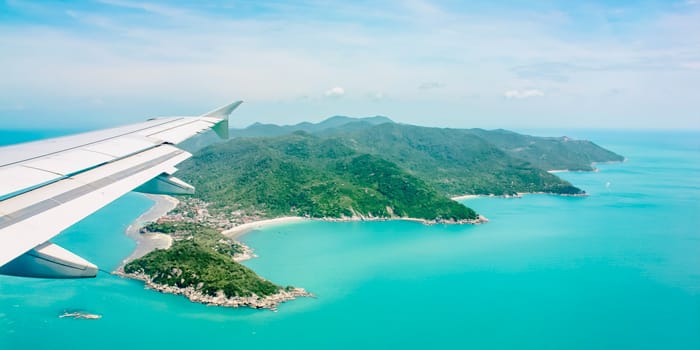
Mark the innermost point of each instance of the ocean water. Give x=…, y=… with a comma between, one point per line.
x=619, y=269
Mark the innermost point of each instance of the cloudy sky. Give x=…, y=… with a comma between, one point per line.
x=514, y=64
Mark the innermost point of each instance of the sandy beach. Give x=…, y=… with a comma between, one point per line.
x=149, y=241
x=466, y=196
x=240, y=230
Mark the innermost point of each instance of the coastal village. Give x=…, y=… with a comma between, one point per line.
x=195, y=210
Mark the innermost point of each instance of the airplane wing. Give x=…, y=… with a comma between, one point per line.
x=46, y=186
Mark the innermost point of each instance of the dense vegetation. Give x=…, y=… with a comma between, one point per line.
x=373, y=167
x=202, y=259
x=560, y=153
x=301, y=174
x=454, y=161
x=329, y=125
x=200, y=234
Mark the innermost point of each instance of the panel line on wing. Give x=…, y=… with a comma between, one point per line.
x=80, y=146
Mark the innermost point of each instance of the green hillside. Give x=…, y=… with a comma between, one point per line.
x=549, y=153
x=202, y=260
x=258, y=129
x=454, y=161
x=304, y=175
x=373, y=167
x=546, y=153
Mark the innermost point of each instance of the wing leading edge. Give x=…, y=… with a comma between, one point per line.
x=49, y=185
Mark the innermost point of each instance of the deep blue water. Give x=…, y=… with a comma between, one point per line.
x=618, y=269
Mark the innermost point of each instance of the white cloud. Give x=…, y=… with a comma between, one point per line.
x=335, y=92
x=429, y=85
x=377, y=96
x=160, y=10
x=691, y=65
x=144, y=55
x=519, y=94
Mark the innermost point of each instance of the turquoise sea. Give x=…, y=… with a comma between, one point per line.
x=619, y=269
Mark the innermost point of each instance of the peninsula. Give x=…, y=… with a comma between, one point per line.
x=200, y=264
x=340, y=169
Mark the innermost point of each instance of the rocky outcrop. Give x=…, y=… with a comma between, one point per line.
x=479, y=220
x=195, y=294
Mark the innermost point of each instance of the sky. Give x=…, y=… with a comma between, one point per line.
x=490, y=64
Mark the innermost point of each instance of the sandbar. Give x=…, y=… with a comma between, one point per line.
x=147, y=242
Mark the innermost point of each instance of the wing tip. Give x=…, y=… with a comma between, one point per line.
x=224, y=111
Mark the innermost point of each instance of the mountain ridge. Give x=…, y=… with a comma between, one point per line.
x=296, y=169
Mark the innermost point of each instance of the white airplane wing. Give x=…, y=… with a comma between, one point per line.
x=46, y=186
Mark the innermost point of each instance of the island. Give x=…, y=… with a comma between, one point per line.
x=201, y=265
x=342, y=169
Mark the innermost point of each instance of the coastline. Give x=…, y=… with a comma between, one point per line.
x=238, y=231
x=479, y=220
x=466, y=196
x=196, y=296
x=517, y=195
x=147, y=242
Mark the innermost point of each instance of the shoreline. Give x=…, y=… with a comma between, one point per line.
x=147, y=242
x=466, y=196
x=196, y=296
x=516, y=195
x=479, y=220
x=240, y=230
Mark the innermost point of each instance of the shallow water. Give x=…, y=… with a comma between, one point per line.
x=617, y=269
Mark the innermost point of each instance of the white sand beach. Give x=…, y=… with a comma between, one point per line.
x=240, y=230
x=466, y=196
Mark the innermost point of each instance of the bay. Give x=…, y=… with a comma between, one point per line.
x=617, y=269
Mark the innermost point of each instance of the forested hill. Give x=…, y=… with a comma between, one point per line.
x=454, y=161
x=332, y=123
x=546, y=153
x=304, y=175
x=375, y=167
x=549, y=153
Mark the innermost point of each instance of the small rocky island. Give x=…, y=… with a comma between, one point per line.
x=80, y=315
x=200, y=265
